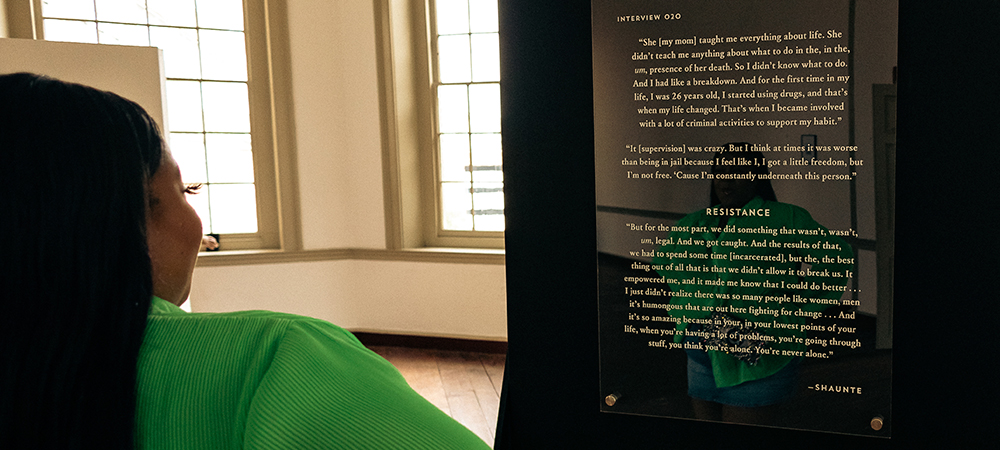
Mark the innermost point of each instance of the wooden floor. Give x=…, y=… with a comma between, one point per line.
x=465, y=385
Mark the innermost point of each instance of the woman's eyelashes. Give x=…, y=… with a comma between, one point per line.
x=192, y=188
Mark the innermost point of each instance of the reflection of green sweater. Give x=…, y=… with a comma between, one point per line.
x=265, y=380
x=751, y=272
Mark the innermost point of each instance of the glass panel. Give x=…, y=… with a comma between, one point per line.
x=220, y=14
x=180, y=51
x=67, y=9
x=172, y=12
x=200, y=203
x=227, y=108
x=184, y=105
x=223, y=55
x=454, y=64
x=125, y=11
x=117, y=34
x=484, y=103
x=453, y=109
x=229, y=158
x=189, y=152
x=70, y=31
x=487, y=158
x=234, y=208
x=456, y=202
x=452, y=16
x=483, y=16
x=486, y=57
x=455, y=157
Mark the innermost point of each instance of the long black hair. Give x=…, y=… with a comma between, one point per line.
x=75, y=273
x=762, y=188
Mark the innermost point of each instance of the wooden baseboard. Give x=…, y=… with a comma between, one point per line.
x=436, y=343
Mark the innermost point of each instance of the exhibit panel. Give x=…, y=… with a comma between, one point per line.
x=921, y=270
x=735, y=212
x=132, y=72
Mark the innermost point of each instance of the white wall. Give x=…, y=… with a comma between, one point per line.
x=335, y=95
x=423, y=299
x=335, y=92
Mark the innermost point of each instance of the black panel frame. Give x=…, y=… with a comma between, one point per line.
x=943, y=388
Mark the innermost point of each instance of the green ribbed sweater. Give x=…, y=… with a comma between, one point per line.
x=266, y=380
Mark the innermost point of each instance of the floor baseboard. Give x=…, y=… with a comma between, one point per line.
x=428, y=342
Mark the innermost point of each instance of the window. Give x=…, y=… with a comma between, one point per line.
x=205, y=46
x=441, y=122
x=467, y=84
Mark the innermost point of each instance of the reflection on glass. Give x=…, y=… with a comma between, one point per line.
x=124, y=11
x=229, y=158
x=118, y=34
x=184, y=105
x=226, y=107
x=234, y=208
x=223, y=55
x=70, y=31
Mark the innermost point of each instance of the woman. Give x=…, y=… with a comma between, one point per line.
x=750, y=272
x=98, y=248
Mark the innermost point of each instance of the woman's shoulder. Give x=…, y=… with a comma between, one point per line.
x=162, y=309
x=306, y=383
x=235, y=329
x=282, y=381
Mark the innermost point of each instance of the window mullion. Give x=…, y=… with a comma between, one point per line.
x=468, y=87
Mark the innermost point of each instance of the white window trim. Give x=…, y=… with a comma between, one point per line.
x=409, y=149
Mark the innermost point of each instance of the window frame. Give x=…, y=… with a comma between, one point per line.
x=271, y=126
x=411, y=163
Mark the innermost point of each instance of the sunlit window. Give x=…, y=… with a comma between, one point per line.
x=204, y=57
x=467, y=81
